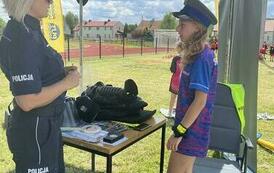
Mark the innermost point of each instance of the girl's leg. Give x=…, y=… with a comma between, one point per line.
x=179, y=163
x=172, y=102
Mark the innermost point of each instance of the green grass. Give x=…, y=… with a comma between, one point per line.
x=265, y=104
x=152, y=75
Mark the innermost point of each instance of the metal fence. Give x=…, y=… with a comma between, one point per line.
x=120, y=47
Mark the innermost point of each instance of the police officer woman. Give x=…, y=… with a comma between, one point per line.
x=38, y=82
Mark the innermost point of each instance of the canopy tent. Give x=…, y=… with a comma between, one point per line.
x=240, y=24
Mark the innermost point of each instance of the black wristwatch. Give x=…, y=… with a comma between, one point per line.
x=179, y=130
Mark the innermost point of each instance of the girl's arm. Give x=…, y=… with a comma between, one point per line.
x=194, y=109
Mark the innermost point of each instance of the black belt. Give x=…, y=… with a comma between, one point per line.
x=42, y=111
x=11, y=106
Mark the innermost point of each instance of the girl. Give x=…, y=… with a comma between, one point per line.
x=196, y=96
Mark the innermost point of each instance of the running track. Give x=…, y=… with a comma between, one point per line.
x=92, y=50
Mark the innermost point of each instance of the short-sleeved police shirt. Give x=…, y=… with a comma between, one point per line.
x=27, y=60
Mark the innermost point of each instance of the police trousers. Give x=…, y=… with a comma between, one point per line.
x=35, y=140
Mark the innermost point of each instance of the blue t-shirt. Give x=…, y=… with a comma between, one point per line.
x=200, y=75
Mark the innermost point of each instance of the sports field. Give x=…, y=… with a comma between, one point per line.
x=152, y=75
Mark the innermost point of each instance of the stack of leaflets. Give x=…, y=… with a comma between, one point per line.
x=95, y=132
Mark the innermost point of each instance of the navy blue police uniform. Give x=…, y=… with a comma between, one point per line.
x=29, y=63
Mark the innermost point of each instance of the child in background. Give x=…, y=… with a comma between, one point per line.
x=271, y=52
x=176, y=69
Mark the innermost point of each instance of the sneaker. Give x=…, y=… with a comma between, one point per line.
x=166, y=113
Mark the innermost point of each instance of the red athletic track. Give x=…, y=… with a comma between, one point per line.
x=92, y=50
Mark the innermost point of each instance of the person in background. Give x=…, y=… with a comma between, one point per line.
x=271, y=52
x=263, y=49
x=265, y=45
x=214, y=44
x=176, y=69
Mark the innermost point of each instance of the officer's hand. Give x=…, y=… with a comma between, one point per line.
x=72, y=79
x=70, y=68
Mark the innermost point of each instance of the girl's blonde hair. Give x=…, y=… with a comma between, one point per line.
x=194, y=45
x=18, y=9
x=179, y=47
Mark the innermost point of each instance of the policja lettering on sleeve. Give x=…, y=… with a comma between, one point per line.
x=21, y=78
x=39, y=170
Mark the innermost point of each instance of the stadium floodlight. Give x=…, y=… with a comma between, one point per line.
x=84, y=2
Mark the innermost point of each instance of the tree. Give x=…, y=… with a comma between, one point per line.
x=126, y=29
x=2, y=25
x=148, y=35
x=131, y=27
x=72, y=20
x=169, y=22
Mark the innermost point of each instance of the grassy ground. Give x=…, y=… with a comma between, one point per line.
x=266, y=104
x=151, y=73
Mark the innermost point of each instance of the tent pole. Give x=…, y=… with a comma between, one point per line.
x=230, y=42
x=81, y=44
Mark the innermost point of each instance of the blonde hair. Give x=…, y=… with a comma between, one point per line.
x=194, y=45
x=18, y=9
x=179, y=47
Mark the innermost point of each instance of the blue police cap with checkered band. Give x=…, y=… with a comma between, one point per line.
x=196, y=10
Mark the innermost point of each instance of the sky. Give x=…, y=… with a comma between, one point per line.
x=130, y=11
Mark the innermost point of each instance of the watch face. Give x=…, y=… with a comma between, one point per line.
x=181, y=129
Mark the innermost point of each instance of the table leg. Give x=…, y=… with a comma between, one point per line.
x=92, y=162
x=109, y=164
x=162, y=157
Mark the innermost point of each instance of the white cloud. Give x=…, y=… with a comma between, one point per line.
x=270, y=9
x=130, y=11
x=210, y=4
